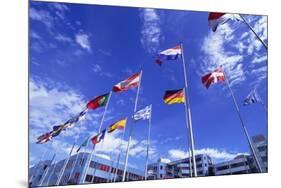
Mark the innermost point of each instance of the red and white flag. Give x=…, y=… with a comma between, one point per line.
x=213, y=77
x=131, y=82
x=44, y=138
x=215, y=19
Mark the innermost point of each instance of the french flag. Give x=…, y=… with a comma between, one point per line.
x=168, y=54
x=216, y=18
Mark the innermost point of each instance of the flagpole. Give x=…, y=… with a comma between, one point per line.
x=148, y=143
x=263, y=43
x=190, y=163
x=242, y=122
x=130, y=133
x=36, y=170
x=93, y=150
x=48, y=168
x=65, y=164
x=188, y=116
x=118, y=157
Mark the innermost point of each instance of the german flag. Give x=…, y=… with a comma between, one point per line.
x=117, y=125
x=174, y=96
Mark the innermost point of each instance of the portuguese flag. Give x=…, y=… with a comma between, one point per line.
x=174, y=96
x=98, y=101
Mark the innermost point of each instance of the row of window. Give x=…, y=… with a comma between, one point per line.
x=235, y=165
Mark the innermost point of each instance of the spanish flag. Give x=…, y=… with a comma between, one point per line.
x=117, y=125
x=174, y=96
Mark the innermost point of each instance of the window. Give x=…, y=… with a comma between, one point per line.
x=237, y=165
x=76, y=175
x=82, y=162
x=222, y=167
x=45, y=166
x=161, y=175
x=89, y=178
x=161, y=167
x=262, y=148
x=205, y=164
x=264, y=159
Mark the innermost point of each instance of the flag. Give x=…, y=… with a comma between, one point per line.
x=57, y=130
x=213, y=77
x=252, y=98
x=174, y=96
x=44, y=138
x=98, y=138
x=75, y=119
x=84, y=144
x=98, y=102
x=215, y=19
x=168, y=54
x=117, y=125
x=143, y=114
x=131, y=82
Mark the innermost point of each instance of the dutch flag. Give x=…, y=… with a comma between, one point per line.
x=168, y=54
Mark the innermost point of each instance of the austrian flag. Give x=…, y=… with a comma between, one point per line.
x=213, y=77
x=215, y=19
x=131, y=82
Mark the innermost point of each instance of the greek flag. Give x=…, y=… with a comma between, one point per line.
x=252, y=98
x=143, y=114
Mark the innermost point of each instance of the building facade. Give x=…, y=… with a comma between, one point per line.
x=180, y=168
x=245, y=163
x=100, y=171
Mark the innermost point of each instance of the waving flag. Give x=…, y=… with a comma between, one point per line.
x=84, y=144
x=168, y=54
x=252, y=98
x=44, y=138
x=131, y=82
x=98, y=138
x=76, y=119
x=215, y=19
x=117, y=125
x=98, y=102
x=143, y=114
x=174, y=96
x=213, y=77
x=57, y=130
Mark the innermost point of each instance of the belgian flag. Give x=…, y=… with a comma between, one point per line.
x=174, y=96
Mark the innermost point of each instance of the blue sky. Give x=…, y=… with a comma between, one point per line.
x=80, y=51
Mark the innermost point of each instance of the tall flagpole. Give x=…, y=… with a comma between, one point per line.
x=190, y=162
x=130, y=133
x=36, y=170
x=242, y=123
x=118, y=158
x=65, y=164
x=263, y=43
x=93, y=150
x=148, y=143
x=188, y=116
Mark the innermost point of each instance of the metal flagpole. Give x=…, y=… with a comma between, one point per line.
x=35, y=172
x=188, y=116
x=242, y=123
x=148, y=143
x=130, y=133
x=190, y=163
x=118, y=158
x=47, y=170
x=65, y=164
x=263, y=43
x=49, y=166
x=93, y=150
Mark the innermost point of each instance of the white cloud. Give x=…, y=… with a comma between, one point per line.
x=151, y=31
x=42, y=16
x=83, y=41
x=217, y=155
x=63, y=38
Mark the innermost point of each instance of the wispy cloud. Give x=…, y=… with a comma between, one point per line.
x=42, y=16
x=83, y=40
x=151, y=31
x=217, y=155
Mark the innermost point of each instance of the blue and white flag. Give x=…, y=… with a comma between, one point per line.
x=168, y=54
x=252, y=98
x=143, y=114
